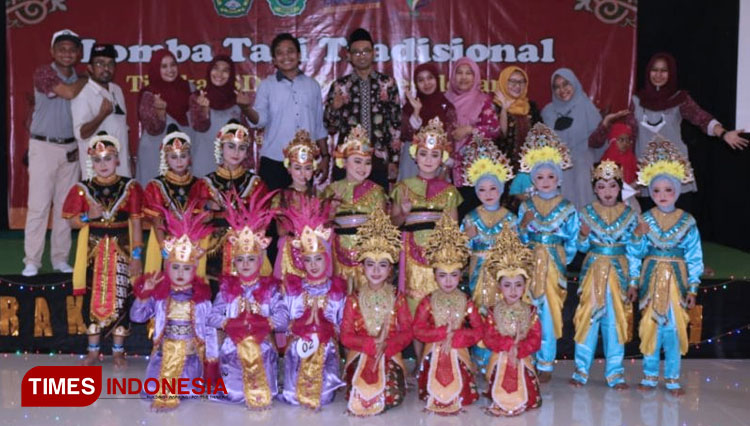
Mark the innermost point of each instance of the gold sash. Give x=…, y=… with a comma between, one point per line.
x=254, y=380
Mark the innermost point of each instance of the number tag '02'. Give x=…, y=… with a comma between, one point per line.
x=305, y=347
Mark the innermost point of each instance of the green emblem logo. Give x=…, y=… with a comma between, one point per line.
x=232, y=8
x=287, y=7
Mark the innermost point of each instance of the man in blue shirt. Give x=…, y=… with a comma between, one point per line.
x=286, y=102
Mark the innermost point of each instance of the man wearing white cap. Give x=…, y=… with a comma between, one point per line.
x=53, y=161
x=101, y=106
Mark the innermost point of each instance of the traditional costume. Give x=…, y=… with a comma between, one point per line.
x=604, y=280
x=429, y=199
x=446, y=377
x=184, y=345
x=483, y=161
x=671, y=267
x=172, y=192
x=303, y=151
x=356, y=201
x=217, y=185
x=316, y=306
x=552, y=234
x=376, y=381
x=513, y=334
x=105, y=242
x=248, y=309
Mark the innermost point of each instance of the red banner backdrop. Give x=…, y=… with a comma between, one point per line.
x=596, y=38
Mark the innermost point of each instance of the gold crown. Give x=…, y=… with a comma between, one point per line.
x=663, y=158
x=101, y=145
x=448, y=247
x=312, y=241
x=607, y=169
x=182, y=249
x=378, y=238
x=234, y=132
x=356, y=142
x=301, y=150
x=172, y=142
x=481, y=157
x=431, y=136
x=509, y=256
x=542, y=145
x=245, y=241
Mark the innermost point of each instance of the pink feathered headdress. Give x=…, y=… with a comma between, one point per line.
x=185, y=232
x=248, y=220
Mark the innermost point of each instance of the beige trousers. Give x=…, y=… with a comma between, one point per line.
x=50, y=179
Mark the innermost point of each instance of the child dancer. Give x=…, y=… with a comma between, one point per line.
x=107, y=208
x=231, y=149
x=301, y=161
x=180, y=302
x=353, y=197
x=512, y=330
x=671, y=268
x=487, y=170
x=315, y=304
x=248, y=308
x=172, y=190
x=377, y=324
x=606, y=288
x=549, y=225
x=448, y=323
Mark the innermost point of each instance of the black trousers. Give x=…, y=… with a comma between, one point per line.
x=274, y=174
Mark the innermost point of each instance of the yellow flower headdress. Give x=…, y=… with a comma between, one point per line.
x=301, y=150
x=607, y=169
x=356, y=142
x=448, y=247
x=542, y=145
x=173, y=142
x=231, y=132
x=509, y=257
x=663, y=158
x=431, y=136
x=99, y=146
x=378, y=238
x=481, y=157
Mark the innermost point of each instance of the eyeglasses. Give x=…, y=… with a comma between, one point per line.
x=512, y=82
x=363, y=52
x=99, y=64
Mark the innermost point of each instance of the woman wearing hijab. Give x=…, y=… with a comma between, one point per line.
x=211, y=108
x=573, y=117
x=428, y=104
x=474, y=111
x=517, y=115
x=657, y=110
x=163, y=102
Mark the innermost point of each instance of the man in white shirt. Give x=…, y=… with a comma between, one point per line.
x=101, y=106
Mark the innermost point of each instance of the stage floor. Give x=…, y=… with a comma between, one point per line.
x=717, y=395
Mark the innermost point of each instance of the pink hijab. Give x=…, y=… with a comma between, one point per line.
x=469, y=103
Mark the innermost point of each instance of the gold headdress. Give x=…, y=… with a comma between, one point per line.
x=100, y=146
x=231, y=132
x=607, y=169
x=663, y=158
x=431, y=136
x=507, y=258
x=185, y=233
x=542, y=145
x=356, y=142
x=173, y=142
x=301, y=150
x=309, y=220
x=481, y=157
x=378, y=238
x=248, y=222
x=448, y=247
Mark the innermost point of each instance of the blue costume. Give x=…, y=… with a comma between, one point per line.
x=552, y=235
x=670, y=270
x=604, y=280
